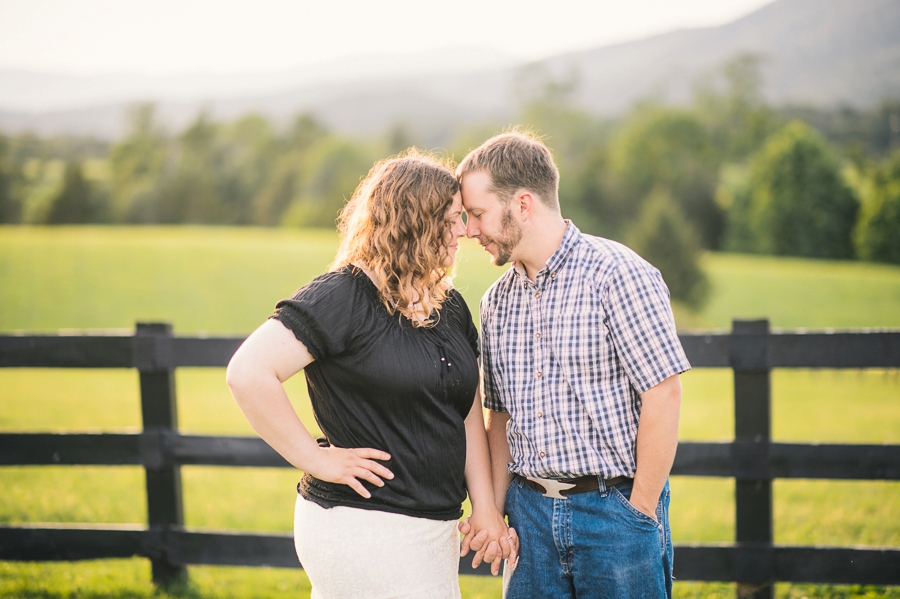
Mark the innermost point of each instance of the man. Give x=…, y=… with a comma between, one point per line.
x=580, y=373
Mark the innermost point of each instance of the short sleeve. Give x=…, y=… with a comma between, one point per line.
x=324, y=314
x=490, y=391
x=642, y=326
x=466, y=324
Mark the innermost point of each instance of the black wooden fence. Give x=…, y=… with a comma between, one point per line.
x=753, y=561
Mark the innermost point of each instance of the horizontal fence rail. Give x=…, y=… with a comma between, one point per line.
x=858, y=349
x=154, y=450
x=752, y=459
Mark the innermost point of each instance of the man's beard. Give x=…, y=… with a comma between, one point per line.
x=509, y=237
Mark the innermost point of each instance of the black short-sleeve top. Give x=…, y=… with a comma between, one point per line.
x=377, y=381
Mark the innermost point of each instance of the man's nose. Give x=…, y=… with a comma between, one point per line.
x=471, y=229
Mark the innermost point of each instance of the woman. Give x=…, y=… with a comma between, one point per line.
x=389, y=351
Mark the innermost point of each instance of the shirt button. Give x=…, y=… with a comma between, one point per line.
x=537, y=296
x=540, y=414
x=537, y=335
x=540, y=374
x=543, y=454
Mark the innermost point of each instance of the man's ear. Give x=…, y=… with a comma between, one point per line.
x=524, y=201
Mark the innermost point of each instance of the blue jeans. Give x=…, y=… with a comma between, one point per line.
x=592, y=545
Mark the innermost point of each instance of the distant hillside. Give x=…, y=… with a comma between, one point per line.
x=819, y=52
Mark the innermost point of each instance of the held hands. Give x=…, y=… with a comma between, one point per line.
x=490, y=538
x=349, y=466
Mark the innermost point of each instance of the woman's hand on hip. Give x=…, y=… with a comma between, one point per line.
x=350, y=466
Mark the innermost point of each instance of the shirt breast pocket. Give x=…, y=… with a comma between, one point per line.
x=580, y=342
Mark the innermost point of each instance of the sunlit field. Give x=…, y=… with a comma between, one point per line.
x=226, y=281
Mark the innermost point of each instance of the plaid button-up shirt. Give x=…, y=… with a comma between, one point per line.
x=569, y=354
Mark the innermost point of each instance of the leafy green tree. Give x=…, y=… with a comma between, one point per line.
x=878, y=231
x=285, y=178
x=76, y=202
x=278, y=191
x=663, y=148
x=799, y=205
x=592, y=194
x=190, y=194
x=137, y=166
x=663, y=237
x=730, y=105
x=734, y=196
x=886, y=134
x=249, y=149
x=10, y=206
x=333, y=170
x=589, y=191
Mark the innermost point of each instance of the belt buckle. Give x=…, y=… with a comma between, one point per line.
x=552, y=487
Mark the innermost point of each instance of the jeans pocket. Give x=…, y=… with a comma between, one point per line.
x=509, y=504
x=645, y=520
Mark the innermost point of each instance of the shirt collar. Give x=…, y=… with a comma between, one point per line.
x=569, y=240
x=556, y=261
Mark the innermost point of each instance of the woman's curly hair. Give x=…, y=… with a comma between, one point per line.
x=396, y=224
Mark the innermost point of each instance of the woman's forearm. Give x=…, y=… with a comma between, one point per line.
x=270, y=356
x=479, y=482
x=269, y=412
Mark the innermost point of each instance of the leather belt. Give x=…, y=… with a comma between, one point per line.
x=562, y=488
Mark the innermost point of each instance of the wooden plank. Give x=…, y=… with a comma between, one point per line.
x=226, y=451
x=850, y=349
x=785, y=460
x=48, y=543
x=703, y=459
x=22, y=449
x=707, y=351
x=857, y=349
x=210, y=351
x=65, y=351
x=115, y=351
x=748, y=563
x=231, y=549
x=757, y=563
x=159, y=413
x=837, y=565
x=748, y=354
x=847, y=462
x=788, y=460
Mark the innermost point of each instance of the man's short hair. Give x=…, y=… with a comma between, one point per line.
x=515, y=160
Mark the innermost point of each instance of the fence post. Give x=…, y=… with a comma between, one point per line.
x=159, y=412
x=752, y=433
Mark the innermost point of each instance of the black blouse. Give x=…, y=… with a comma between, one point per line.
x=379, y=382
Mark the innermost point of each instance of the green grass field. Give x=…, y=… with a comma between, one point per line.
x=226, y=281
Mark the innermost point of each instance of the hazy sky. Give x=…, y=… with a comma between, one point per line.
x=178, y=36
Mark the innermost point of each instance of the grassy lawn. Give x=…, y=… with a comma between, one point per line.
x=225, y=281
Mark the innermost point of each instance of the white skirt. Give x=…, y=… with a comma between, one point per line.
x=350, y=553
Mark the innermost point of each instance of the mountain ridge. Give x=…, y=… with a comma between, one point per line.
x=839, y=52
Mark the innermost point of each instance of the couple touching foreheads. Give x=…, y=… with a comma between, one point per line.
x=579, y=362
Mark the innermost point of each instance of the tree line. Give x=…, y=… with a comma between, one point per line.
x=726, y=172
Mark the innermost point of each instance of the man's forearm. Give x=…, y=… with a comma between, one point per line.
x=500, y=455
x=657, y=440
